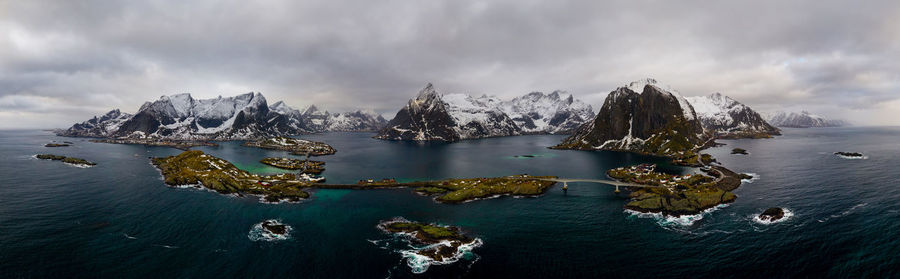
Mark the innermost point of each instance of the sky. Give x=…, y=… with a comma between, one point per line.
x=62, y=62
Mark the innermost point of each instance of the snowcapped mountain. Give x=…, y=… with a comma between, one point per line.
x=246, y=116
x=642, y=116
x=552, y=113
x=803, y=119
x=99, y=126
x=183, y=117
x=357, y=121
x=452, y=117
x=424, y=117
x=728, y=118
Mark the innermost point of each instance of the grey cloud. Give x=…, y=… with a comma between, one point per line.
x=97, y=55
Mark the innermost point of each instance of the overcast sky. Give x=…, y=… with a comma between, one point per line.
x=64, y=61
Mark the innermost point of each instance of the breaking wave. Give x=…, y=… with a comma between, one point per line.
x=419, y=263
x=755, y=178
x=787, y=215
x=843, y=213
x=668, y=221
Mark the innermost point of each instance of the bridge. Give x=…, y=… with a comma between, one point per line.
x=617, y=184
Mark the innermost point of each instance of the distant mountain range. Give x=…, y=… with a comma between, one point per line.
x=432, y=116
x=728, y=118
x=246, y=116
x=803, y=119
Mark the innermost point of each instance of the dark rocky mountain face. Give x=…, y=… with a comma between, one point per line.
x=423, y=118
x=654, y=121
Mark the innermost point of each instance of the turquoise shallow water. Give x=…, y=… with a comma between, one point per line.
x=119, y=220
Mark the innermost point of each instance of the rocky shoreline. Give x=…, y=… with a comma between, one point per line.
x=178, y=144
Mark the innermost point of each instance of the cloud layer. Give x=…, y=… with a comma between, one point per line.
x=64, y=61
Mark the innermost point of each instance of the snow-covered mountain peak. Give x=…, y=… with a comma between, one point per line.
x=314, y=110
x=638, y=85
x=729, y=118
x=426, y=92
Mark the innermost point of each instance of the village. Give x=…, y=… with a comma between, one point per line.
x=646, y=174
x=305, y=166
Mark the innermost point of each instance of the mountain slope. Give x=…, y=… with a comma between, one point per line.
x=357, y=121
x=452, y=117
x=423, y=118
x=728, y=118
x=99, y=126
x=654, y=120
x=246, y=116
x=803, y=119
x=539, y=113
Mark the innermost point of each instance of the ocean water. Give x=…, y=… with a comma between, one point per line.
x=118, y=219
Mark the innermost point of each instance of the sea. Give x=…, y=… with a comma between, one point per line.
x=119, y=220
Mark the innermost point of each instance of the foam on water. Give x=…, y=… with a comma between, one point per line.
x=787, y=215
x=755, y=178
x=843, y=213
x=258, y=233
x=681, y=221
x=419, y=263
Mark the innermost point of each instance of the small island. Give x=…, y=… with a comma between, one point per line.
x=676, y=195
x=739, y=151
x=177, y=144
x=295, y=146
x=442, y=244
x=306, y=166
x=274, y=227
x=469, y=189
x=78, y=162
x=196, y=168
x=270, y=230
x=771, y=215
x=850, y=155
x=53, y=144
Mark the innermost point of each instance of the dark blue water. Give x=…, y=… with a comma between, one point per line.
x=119, y=220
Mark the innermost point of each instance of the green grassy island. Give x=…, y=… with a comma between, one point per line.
x=311, y=167
x=295, y=146
x=467, y=189
x=195, y=167
x=64, y=159
x=57, y=145
x=676, y=195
